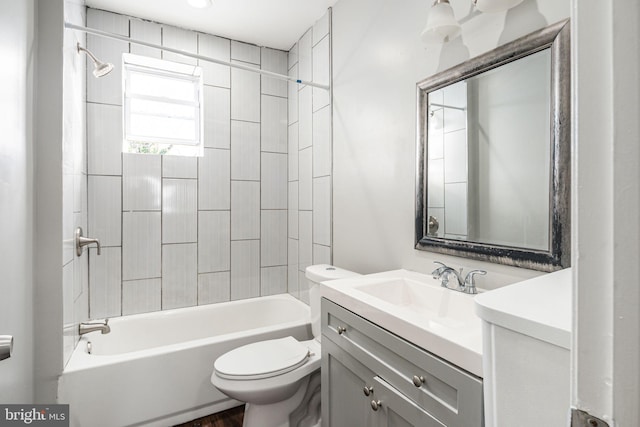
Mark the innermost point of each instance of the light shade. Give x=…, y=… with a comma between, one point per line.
x=492, y=6
x=441, y=24
x=199, y=4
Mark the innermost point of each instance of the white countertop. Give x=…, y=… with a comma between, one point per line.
x=441, y=321
x=540, y=307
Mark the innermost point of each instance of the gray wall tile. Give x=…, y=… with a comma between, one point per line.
x=214, y=287
x=217, y=117
x=245, y=52
x=217, y=48
x=245, y=94
x=141, y=182
x=214, y=241
x=276, y=61
x=245, y=210
x=105, y=282
x=179, y=167
x=179, y=210
x=273, y=127
x=104, y=139
x=105, y=209
x=273, y=238
x=245, y=150
x=274, y=181
x=141, y=254
x=141, y=296
x=273, y=280
x=245, y=269
x=214, y=180
x=178, y=38
x=179, y=275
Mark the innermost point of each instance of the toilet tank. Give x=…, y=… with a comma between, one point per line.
x=316, y=274
x=526, y=336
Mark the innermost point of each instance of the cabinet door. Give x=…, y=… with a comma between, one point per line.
x=396, y=410
x=344, y=403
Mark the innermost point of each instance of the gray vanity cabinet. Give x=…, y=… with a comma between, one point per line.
x=373, y=378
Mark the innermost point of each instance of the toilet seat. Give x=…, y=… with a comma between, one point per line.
x=264, y=359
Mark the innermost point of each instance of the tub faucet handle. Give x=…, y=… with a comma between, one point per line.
x=82, y=241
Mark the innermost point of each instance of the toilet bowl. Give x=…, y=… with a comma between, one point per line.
x=279, y=379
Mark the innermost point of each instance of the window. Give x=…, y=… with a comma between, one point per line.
x=162, y=107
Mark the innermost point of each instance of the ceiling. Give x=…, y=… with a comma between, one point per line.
x=272, y=23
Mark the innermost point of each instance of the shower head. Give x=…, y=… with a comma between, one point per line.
x=99, y=68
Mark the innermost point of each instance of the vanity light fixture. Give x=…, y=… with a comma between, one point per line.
x=492, y=6
x=199, y=4
x=441, y=24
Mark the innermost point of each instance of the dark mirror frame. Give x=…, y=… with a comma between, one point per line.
x=557, y=38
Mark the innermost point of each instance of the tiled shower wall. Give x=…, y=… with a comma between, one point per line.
x=448, y=168
x=75, y=286
x=175, y=231
x=310, y=139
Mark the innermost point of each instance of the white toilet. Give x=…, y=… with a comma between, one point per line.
x=279, y=379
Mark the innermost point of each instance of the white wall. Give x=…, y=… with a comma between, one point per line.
x=606, y=200
x=17, y=31
x=377, y=60
x=48, y=250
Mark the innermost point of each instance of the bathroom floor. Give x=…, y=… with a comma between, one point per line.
x=230, y=418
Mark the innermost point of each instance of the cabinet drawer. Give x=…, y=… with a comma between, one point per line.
x=396, y=409
x=449, y=393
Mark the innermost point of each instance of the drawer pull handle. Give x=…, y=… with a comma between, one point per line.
x=341, y=330
x=418, y=381
x=367, y=390
x=376, y=404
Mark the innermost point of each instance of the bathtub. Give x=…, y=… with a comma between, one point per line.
x=154, y=369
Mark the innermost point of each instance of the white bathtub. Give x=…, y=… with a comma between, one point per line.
x=154, y=369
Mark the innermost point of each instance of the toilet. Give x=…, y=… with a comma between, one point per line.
x=279, y=379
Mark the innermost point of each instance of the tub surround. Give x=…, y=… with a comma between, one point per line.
x=310, y=137
x=179, y=232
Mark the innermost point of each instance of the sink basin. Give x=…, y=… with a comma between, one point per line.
x=405, y=293
x=415, y=307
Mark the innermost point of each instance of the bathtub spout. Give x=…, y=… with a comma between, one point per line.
x=102, y=326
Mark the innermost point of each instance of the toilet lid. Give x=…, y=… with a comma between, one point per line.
x=262, y=359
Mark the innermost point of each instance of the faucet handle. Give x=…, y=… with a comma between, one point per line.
x=469, y=281
x=438, y=271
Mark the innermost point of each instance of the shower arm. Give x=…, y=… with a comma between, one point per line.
x=192, y=55
x=81, y=49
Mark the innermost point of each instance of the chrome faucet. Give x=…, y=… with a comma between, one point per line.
x=102, y=326
x=444, y=273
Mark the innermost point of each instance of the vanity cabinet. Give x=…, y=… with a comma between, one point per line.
x=373, y=378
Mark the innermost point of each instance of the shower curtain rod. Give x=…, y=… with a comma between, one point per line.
x=193, y=55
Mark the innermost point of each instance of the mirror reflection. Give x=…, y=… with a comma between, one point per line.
x=489, y=154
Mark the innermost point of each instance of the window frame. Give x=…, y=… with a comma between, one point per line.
x=132, y=142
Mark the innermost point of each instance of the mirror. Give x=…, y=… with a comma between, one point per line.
x=493, y=170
